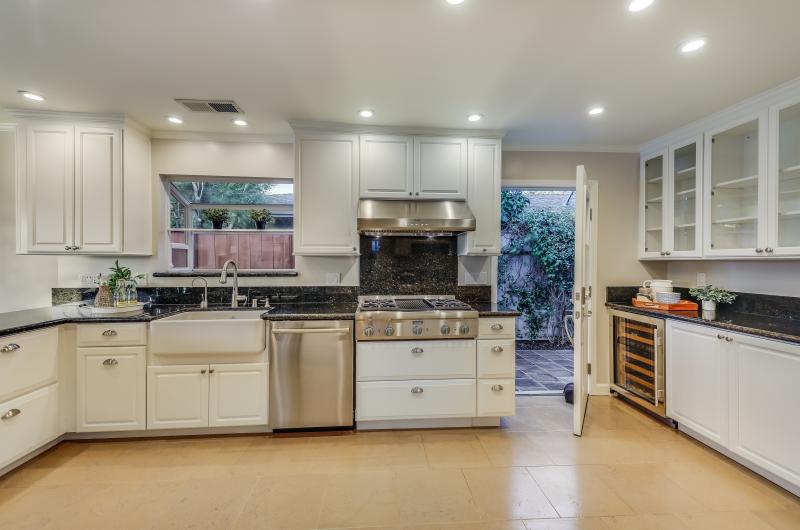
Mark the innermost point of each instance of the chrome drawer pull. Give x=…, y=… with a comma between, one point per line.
x=417, y=350
x=10, y=414
x=109, y=333
x=720, y=337
x=497, y=349
x=110, y=362
x=497, y=327
x=8, y=348
x=728, y=339
x=417, y=390
x=202, y=372
x=497, y=388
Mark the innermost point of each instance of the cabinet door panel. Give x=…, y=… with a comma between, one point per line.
x=49, y=187
x=697, y=380
x=651, y=209
x=483, y=192
x=440, y=168
x=784, y=180
x=684, y=236
x=387, y=167
x=764, y=405
x=496, y=397
x=98, y=189
x=35, y=422
x=177, y=396
x=111, y=389
x=326, y=169
x=238, y=394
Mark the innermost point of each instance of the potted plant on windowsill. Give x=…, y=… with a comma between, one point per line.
x=217, y=216
x=261, y=217
x=711, y=296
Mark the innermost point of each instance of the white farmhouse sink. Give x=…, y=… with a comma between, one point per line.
x=208, y=333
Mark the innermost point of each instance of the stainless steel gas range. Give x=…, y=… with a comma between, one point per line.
x=414, y=318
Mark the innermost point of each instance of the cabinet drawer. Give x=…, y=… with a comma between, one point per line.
x=27, y=361
x=386, y=360
x=388, y=400
x=496, y=328
x=496, y=358
x=28, y=422
x=496, y=397
x=112, y=335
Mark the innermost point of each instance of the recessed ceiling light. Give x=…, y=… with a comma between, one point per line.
x=174, y=119
x=240, y=122
x=475, y=117
x=692, y=45
x=594, y=111
x=455, y=2
x=366, y=113
x=30, y=95
x=638, y=5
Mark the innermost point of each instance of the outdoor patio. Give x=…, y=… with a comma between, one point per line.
x=543, y=371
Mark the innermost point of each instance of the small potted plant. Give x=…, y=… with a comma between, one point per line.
x=261, y=217
x=711, y=296
x=217, y=216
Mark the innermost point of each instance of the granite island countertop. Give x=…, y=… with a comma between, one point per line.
x=489, y=309
x=770, y=327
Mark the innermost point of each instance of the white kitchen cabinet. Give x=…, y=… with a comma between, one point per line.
x=421, y=399
x=735, y=197
x=698, y=379
x=496, y=397
x=683, y=204
x=402, y=359
x=28, y=422
x=387, y=167
x=111, y=384
x=27, y=361
x=238, y=394
x=496, y=358
x=764, y=404
x=440, y=167
x=326, y=183
x=177, y=396
x=652, y=189
x=784, y=180
x=484, y=173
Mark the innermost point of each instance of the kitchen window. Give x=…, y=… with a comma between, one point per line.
x=212, y=220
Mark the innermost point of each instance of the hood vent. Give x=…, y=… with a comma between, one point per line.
x=225, y=106
x=414, y=217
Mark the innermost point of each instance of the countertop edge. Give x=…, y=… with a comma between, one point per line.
x=757, y=332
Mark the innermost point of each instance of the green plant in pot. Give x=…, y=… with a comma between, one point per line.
x=217, y=216
x=261, y=217
x=711, y=296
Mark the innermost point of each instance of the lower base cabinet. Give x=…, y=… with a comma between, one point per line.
x=202, y=395
x=496, y=397
x=394, y=400
x=28, y=422
x=111, y=389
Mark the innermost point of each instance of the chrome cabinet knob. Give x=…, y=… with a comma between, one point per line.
x=388, y=331
x=369, y=331
x=203, y=372
x=110, y=362
x=10, y=414
x=497, y=327
x=417, y=390
x=759, y=250
x=720, y=337
x=417, y=350
x=445, y=329
x=770, y=250
x=109, y=333
x=497, y=388
x=211, y=371
x=668, y=253
x=8, y=348
x=728, y=339
x=497, y=349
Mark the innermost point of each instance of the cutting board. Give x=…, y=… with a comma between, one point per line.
x=683, y=305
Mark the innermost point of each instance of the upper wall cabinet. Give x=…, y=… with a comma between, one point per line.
x=75, y=195
x=440, y=168
x=326, y=184
x=651, y=204
x=784, y=181
x=736, y=188
x=483, y=192
x=387, y=167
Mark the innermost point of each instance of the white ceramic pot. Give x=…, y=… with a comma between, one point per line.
x=709, y=305
x=658, y=286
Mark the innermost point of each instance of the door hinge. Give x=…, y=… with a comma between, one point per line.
x=589, y=368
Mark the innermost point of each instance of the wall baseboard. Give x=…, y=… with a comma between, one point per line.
x=601, y=390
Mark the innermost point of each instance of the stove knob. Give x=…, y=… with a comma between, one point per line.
x=369, y=331
x=445, y=329
x=464, y=329
x=417, y=329
x=388, y=331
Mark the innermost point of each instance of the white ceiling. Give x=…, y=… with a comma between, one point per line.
x=533, y=67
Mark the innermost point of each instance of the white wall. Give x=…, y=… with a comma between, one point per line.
x=774, y=277
x=617, y=264
x=25, y=281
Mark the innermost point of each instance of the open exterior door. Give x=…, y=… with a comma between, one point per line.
x=582, y=294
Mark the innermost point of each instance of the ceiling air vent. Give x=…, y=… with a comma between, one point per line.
x=211, y=105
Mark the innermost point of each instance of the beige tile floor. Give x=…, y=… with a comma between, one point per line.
x=627, y=472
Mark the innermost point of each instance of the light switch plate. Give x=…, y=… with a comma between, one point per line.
x=332, y=278
x=701, y=279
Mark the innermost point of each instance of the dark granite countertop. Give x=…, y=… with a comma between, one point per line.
x=329, y=311
x=489, y=309
x=770, y=327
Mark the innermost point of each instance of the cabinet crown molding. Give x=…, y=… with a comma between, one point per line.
x=57, y=115
x=332, y=127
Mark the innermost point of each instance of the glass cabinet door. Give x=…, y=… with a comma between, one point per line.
x=653, y=197
x=685, y=193
x=787, y=180
x=734, y=182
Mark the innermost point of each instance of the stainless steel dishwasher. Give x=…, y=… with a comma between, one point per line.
x=311, y=374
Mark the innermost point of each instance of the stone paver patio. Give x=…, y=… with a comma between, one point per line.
x=543, y=371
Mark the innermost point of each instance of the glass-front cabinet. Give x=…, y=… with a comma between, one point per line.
x=784, y=189
x=735, y=189
x=685, y=185
x=651, y=208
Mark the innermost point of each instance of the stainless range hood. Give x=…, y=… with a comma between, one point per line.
x=414, y=217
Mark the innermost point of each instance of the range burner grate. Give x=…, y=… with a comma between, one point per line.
x=411, y=304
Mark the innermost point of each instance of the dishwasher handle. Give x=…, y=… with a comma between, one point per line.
x=298, y=331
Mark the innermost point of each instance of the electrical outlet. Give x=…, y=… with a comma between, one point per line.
x=88, y=279
x=701, y=279
x=332, y=278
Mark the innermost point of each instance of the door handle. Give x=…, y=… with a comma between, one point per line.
x=298, y=331
x=10, y=414
x=110, y=362
x=109, y=333
x=417, y=390
x=8, y=348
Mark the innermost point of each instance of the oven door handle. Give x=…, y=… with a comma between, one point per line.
x=300, y=331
